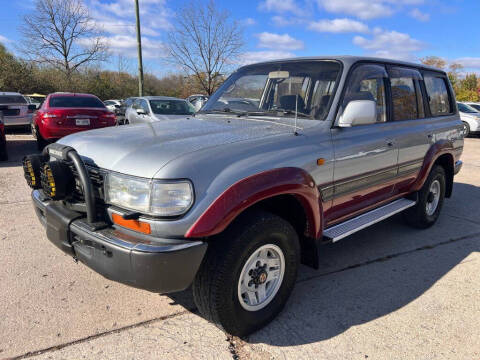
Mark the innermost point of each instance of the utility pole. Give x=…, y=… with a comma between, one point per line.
x=139, y=47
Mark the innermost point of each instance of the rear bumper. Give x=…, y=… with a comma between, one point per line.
x=458, y=166
x=17, y=120
x=166, y=265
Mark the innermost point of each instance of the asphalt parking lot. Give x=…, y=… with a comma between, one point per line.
x=387, y=292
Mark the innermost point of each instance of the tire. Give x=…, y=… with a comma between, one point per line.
x=466, y=129
x=41, y=142
x=3, y=150
x=421, y=215
x=216, y=285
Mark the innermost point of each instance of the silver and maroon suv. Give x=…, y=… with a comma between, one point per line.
x=285, y=156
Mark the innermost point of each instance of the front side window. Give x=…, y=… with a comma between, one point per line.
x=279, y=89
x=438, y=97
x=466, y=108
x=367, y=82
x=406, y=95
x=171, y=107
x=76, y=102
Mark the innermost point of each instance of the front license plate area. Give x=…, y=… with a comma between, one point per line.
x=82, y=122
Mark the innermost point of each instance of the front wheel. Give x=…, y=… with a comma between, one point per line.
x=248, y=273
x=430, y=200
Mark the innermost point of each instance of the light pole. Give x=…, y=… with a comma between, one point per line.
x=139, y=48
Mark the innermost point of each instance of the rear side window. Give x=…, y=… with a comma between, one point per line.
x=76, y=102
x=407, y=97
x=12, y=99
x=438, y=96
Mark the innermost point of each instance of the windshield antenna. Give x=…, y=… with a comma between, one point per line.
x=296, y=115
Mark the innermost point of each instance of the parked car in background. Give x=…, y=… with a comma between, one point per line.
x=155, y=108
x=3, y=140
x=16, y=109
x=229, y=202
x=65, y=113
x=113, y=105
x=475, y=105
x=197, y=100
x=36, y=99
x=470, y=118
x=125, y=104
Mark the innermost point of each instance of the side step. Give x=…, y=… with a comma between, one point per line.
x=338, y=232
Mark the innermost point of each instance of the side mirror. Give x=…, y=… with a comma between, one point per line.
x=358, y=112
x=141, y=111
x=32, y=107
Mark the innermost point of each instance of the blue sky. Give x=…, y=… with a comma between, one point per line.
x=403, y=29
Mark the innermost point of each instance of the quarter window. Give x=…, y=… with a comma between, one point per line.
x=367, y=82
x=406, y=95
x=438, y=97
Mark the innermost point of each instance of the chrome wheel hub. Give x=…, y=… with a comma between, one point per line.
x=433, y=198
x=261, y=277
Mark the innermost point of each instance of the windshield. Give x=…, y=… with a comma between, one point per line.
x=12, y=99
x=466, y=108
x=281, y=89
x=171, y=107
x=76, y=102
x=475, y=106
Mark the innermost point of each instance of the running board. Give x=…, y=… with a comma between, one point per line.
x=346, y=228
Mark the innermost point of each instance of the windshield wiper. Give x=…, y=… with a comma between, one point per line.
x=235, y=112
x=290, y=112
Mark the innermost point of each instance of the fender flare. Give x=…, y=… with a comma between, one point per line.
x=438, y=149
x=250, y=190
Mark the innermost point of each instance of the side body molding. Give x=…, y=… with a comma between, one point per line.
x=248, y=191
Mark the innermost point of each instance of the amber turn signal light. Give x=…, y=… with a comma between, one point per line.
x=134, y=225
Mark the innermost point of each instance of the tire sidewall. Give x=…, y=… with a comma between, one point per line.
x=437, y=174
x=466, y=132
x=286, y=239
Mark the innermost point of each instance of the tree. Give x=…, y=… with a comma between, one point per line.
x=204, y=41
x=434, y=61
x=62, y=34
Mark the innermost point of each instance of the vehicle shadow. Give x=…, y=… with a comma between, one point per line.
x=17, y=148
x=345, y=293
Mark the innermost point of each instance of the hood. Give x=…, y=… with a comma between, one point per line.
x=160, y=117
x=143, y=149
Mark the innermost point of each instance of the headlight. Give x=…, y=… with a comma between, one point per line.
x=154, y=197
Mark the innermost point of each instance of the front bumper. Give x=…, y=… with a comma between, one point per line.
x=166, y=265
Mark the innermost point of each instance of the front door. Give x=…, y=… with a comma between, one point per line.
x=365, y=155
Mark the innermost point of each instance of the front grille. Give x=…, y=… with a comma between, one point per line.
x=97, y=179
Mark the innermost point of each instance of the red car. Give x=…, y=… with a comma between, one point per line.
x=65, y=113
x=3, y=140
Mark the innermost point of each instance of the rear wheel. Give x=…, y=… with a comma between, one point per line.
x=41, y=142
x=430, y=200
x=466, y=129
x=248, y=273
x=3, y=149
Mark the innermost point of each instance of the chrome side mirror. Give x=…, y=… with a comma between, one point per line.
x=141, y=111
x=358, y=112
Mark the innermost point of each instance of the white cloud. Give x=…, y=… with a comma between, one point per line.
x=279, y=20
x=126, y=45
x=468, y=62
x=248, y=21
x=259, y=56
x=390, y=44
x=338, y=26
x=279, y=42
x=419, y=15
x=365, y=9
x=281, y=6
x=4, y=39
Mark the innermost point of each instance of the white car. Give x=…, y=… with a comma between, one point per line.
x=475, y=105
x=16, y=109
x=197, y=100
x=112, y=105
x=470, y=118
x=156, y=108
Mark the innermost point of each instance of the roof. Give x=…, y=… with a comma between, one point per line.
x=350, y=59
x=70, y=94
x=9, y=93
x=160, y=98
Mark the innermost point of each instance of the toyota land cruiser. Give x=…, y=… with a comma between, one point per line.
x=284, y=157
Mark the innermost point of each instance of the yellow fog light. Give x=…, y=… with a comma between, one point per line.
x=31, y=170
x=57, y=180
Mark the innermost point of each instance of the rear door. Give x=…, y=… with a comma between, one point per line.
x=365, y=155
x=413, y=129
